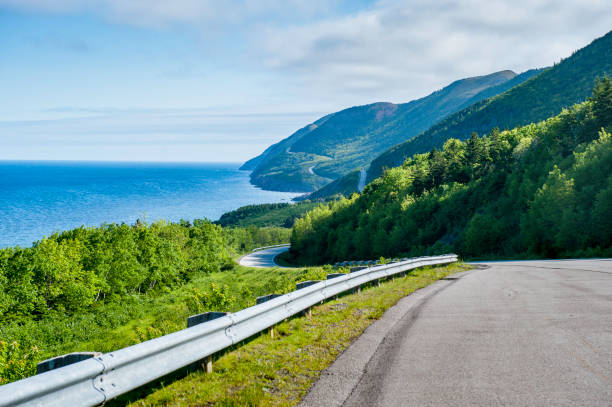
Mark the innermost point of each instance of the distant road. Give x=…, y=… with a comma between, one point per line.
x=262, y=258
x=532, y=333
x=311, y=170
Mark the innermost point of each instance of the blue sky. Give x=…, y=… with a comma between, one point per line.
x=202, y=80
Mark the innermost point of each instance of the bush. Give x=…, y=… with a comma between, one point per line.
x=16, y=363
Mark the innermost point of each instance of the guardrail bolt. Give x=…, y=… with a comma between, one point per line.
x=64, y=360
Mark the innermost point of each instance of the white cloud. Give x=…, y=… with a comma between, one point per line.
x=303, y=55
x=393, y=50
x=404, y=49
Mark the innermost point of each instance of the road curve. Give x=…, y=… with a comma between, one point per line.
x=262, y=258
x=532, y=333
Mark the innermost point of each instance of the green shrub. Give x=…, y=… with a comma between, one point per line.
x=16, y=363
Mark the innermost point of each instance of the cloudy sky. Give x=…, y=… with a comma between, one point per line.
x=208, y=80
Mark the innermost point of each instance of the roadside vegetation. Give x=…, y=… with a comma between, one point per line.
x=266, y=215
x=541, y=190
x=278, y=371
x=104, y=288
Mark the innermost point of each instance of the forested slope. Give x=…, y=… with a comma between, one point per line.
x=115, y=285
x=541, y=190
x=266, y=215
x=76, y=270
x=562, y=85
x=343, y=141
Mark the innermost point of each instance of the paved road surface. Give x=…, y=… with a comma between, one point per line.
x=534, y=333
x=262, y=258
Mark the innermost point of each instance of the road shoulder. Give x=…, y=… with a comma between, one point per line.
x=338, y=381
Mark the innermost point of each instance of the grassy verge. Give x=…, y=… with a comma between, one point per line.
x=278, y=371
x=138, y=318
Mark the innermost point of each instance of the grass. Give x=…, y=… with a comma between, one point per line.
x=278, y=371
x=137, y=318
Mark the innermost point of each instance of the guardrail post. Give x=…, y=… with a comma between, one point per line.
x=204, y=317
x=129, y=368
x=304, y=284
x=207, y=364
x=64, y=360
x=335, y=275
x=353, y=270
x=261, y=300
x=307, y=312
x=264, y=298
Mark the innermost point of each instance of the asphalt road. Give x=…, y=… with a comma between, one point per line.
x=262, y=258
x=533, y=333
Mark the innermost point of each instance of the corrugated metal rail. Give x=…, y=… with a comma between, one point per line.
x=99, y=379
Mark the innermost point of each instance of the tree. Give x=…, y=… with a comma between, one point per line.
x=542, y=222
x=602, y=101
x=63, y=282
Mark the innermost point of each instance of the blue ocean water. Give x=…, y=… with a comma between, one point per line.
x=38, y=198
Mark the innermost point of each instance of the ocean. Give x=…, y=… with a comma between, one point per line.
x=38, y=198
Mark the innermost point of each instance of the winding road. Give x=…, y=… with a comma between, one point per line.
x=311, y=171
x=522, y=333
x=262, y=258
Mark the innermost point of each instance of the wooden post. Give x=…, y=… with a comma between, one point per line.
x=207, y=365
x=272, y=332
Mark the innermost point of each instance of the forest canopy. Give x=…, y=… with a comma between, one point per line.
x=541, y=190
x=74, y=270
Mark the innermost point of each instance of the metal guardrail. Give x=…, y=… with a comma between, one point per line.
x=270, y=247
x=99, y=379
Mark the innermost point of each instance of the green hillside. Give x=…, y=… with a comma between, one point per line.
x=104, y=288
x=342, y=187
x=541, y=190
x=562, y=85
x=347, y=140
x=266, y=215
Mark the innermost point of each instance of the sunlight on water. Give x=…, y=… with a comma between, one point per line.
x=38, y=198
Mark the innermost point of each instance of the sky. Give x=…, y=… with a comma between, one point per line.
x=208, y=80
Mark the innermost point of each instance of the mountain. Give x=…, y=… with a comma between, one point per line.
x=540, y=190
x=558, y=87
x=347, y=140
